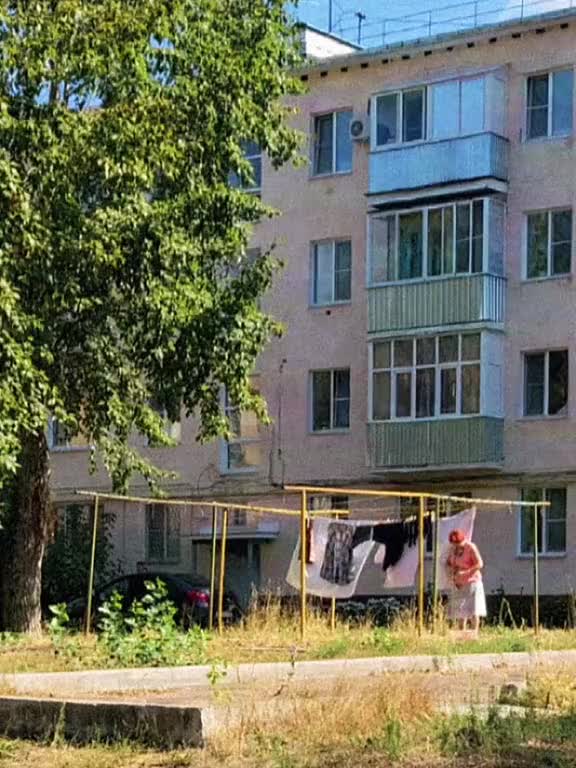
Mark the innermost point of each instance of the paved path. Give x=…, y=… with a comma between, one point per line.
x=173, y=678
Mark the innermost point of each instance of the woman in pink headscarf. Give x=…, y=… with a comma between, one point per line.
x=467, y=601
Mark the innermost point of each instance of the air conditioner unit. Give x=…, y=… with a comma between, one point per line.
x=360, y=128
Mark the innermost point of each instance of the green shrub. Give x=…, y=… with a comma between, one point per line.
x=148, y=635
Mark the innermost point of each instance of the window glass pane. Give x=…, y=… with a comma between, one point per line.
x=463, y=238
x=556, y=537
x=557, y=382
x=448, y=349
x=556, y=520
x=155, y=531
x=561, y=226
x=537, y=256
x=561, y=258
x=448, y=246
x=343, y=141
x=527, y=529
x=386, y=119
x=435, y=241
x=341, y=414
x=562, y=90
x=534, y=394
x=382, y=354
x=256, y=163
x=448, y=390
x=323, y=149
x=244, y=455
x=472, y=106
x=403, y=395
x=382, y=248
x=248, y=425
x=471, y=346
x=172, y=534
x=470, y=389
x=403, y=353
x=410, y=246
x=250, y=148
x=561, y=242
x=425, y=392
x=343, y=271
x=342, y=384
x=323, y=276
x=426, y=350
x=537, y=106
x=381, y=396
x=321, y=398
x=413, y=115
x=445, y=110
x=477, y=235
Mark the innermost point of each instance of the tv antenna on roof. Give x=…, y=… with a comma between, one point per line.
x=361, y=18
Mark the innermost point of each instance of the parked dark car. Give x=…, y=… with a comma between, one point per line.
x=190, y=594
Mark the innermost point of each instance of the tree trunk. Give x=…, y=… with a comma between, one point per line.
x=28, y=528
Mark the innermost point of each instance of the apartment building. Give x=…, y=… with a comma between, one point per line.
x=429, y=307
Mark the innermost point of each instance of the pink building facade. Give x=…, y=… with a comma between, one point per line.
x=429, y=308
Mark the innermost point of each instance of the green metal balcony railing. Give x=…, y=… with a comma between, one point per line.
x=475, y=440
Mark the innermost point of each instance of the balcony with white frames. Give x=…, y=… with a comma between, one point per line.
x=438, y=134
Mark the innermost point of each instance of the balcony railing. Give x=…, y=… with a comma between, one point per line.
x=436, y=302
x=411, y=166
x=475, y=440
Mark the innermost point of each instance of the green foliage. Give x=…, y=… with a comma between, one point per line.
x=148, y=635
x=67, y=562
x=385, y=642
x=63, y=641
x=123, y=269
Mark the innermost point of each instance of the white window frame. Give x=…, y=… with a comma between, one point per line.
x=549, y=274
x=544, y=552
x=399, y=93
x=333, y=171
x=332, y=429
x=164, y=559
x=438, y=367
x=550, y=118
x=313, y=272
x=545, y=415
x=425, y=211
x=225, y=468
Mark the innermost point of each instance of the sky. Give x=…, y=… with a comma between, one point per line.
x=444, y=15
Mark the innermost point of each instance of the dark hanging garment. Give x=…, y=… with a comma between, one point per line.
x=338, y=555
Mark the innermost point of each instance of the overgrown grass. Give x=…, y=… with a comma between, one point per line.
x=269, y=633
x=376, y=725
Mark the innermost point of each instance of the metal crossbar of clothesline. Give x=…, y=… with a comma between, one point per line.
x=305, y=514
x=414, y=495
x=422, y=497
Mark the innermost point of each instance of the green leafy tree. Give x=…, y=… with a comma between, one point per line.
x=123, y=276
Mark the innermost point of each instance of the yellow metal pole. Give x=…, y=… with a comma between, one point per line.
x=213, y=559
x=333, y=601
x=421, y=545
x=536, y=570
x=92, y=566
x=222, y=570
x=303, y=521
x=436, y=546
